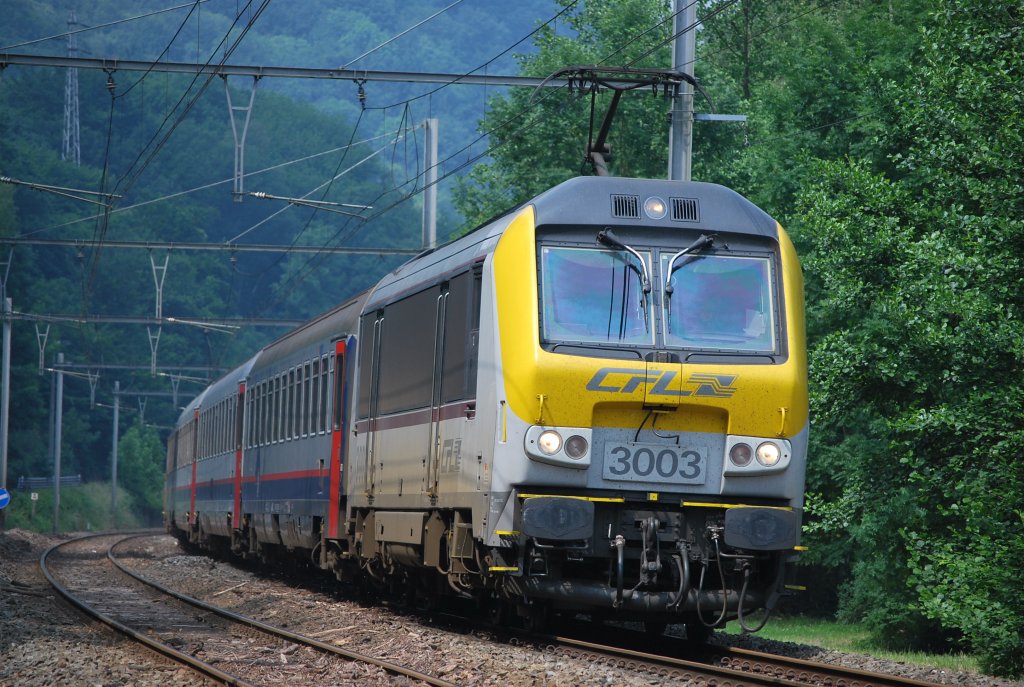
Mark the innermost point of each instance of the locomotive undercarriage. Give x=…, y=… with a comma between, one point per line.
x=659, y=566
x=656, y=566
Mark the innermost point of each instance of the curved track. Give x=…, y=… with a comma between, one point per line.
x=726, y=667
x=166, y=621
x=809, y=672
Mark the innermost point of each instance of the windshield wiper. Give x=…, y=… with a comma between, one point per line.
x=608, y=238
x=704, y=241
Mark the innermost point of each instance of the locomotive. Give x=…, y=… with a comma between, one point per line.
x=595, y=404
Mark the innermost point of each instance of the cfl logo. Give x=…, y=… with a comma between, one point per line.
x=626, y=381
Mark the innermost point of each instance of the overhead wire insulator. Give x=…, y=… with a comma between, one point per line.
x=361, y=93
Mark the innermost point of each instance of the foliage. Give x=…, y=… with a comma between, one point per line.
x=889, y=138
x=141, y=468
x=538, y=139
x=852, y=638
x=886, y=136
x=917, y=327
x=83, y=508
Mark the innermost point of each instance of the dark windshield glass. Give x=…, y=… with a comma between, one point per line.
x=592, y=295
x=721, y=303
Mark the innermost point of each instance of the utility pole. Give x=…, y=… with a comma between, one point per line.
x=430, y=183
x=113, y=460
x=57, y=429
x=5, y=399
x=680, y=137
x=72, y=149
x=237, y=192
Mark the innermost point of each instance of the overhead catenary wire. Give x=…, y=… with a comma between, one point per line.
x=131, y=176
x=103, y=222
x=524, y=126
x=396, y=37
x=474, y=158
x=314, y=259
x=321, y=186
x=203, y=187
x=100, y=26
x=166, y=49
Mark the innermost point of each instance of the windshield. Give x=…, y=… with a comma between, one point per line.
x=592, y=295
x=720, y=302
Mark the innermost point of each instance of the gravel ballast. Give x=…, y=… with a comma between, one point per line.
x=43, y=641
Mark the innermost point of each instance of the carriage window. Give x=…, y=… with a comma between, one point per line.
x=721, y=302
x=593, y=296
x=407, y=352
x=261, y=428
x=367, y=336
x=461, y=335
x=307, y=401
x=324, y=386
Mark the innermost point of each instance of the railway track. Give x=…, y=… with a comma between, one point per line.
x=809, y=672
x=225, y=646
x=730, y=667
x=244, y=654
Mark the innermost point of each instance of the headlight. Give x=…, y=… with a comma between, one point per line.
x=576, y=447
x=655, y=207
x=768, y=454
x=740, y=455
x=564, y=447
x=549, y=442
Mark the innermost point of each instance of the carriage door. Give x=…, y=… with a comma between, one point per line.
x=238, y=415
x=434, y=436
x=194, y=447
x=338, y=428
x=371, y=329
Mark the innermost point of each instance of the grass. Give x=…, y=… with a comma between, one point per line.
x=82, y=508
x=829, y=634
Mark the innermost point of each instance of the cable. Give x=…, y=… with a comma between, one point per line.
x=100, y=26
x=326, y=183
x=692, y=27
x=165, y=50
x=131, y=177
x=394, y=38
x=640, y=35
x=317, y=257
x=103, y=219
x=314, y=261
x=485, y=64
x=204, y=186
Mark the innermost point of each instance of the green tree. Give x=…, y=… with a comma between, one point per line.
x=538, y=139
x=140, y=469
x=918, y=328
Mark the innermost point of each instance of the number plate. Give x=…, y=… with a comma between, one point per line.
x=660, y=463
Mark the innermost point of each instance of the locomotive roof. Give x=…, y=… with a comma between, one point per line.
x=585, y=201
x=589, y=201
x=218, y=390
x=339, y=321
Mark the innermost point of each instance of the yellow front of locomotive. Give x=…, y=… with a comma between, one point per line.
x=653, y=404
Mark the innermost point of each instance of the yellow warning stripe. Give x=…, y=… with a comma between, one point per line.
x=504, y=568
x=702, y=504
x=594, y=499
x=506, y=533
